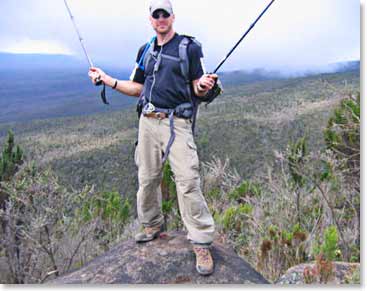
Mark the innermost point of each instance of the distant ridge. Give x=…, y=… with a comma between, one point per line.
x=262, y=74
x=38, y=86
x=14, y=61
x=346, y=66
x=10, y=61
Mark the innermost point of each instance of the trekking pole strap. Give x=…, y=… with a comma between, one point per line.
x=172, y=136
x=103, y=94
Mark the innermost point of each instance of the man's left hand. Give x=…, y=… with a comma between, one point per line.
x=207, y=82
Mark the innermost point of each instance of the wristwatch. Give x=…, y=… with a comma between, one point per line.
x=114, y=86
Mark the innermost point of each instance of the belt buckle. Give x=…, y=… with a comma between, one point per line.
x=160, y=115
x=148, y=108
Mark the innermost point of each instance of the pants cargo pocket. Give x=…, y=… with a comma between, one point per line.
x=194, y=159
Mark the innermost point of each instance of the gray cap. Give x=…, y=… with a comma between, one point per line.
x=160, y=4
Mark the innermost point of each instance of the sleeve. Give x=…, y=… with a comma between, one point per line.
x=196, y=58
x=138, y=74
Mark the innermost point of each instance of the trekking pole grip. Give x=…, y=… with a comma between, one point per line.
x=216, y=79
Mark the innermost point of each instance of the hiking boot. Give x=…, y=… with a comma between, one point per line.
x=148, y=234
x=204, y=261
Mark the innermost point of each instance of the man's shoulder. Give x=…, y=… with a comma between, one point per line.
x=142, y=47
x=192, y=40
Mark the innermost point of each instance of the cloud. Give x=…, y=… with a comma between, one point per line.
x=293, y=33
x=32, y=46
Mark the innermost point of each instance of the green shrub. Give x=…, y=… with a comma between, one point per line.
x=214, y=194
x=229, y=217
x=330, y=244
x=247, y=188
x=286, y=237
x=167, y=206
x=245, y=208
x=233, y=216
x=11, y=158
x=109, y=206
x=342, y=135
x=297, y=153
x=280, y=248
x=172, y=218
x=168, y=182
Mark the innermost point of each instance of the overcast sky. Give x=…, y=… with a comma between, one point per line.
x=292, y=34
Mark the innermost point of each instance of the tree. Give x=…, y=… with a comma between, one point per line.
x=297, y=153
x=342, y=136
x=10, y=159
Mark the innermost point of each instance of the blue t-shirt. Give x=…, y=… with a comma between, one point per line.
x=169, y=88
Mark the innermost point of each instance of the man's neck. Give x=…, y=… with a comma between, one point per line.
x=164, y=38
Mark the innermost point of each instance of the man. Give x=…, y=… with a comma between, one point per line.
x=165, y=134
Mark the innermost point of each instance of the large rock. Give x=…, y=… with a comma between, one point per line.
x=167, y=260
x=343, y=273
x=4, y=271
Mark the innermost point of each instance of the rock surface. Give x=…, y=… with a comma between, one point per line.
x=167, y=260
x=342, y=274
x=4, y=271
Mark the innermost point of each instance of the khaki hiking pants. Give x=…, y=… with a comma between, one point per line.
x=153, y=138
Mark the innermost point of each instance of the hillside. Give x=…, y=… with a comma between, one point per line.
x=246, y=125
x=51, y=86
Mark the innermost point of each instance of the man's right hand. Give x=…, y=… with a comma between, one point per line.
x=129, y=88
x=96, y=74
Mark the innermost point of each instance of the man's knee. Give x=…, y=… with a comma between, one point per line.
x=187, y=187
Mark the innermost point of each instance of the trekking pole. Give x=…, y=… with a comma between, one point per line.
x=99, y=82
x=251, y=27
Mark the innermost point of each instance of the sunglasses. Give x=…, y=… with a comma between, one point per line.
x=157, y=14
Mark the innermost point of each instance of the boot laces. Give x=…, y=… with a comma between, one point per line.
x=203, y=255
x=150, y=230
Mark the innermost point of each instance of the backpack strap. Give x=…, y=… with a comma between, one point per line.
x=184, y=62
x=141, y=63
x=184, y=58
x=150, y=52
x=185, y=70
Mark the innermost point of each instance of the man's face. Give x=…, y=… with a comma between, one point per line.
x=162, y=21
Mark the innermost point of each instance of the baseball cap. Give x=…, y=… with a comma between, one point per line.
x=160, y=4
